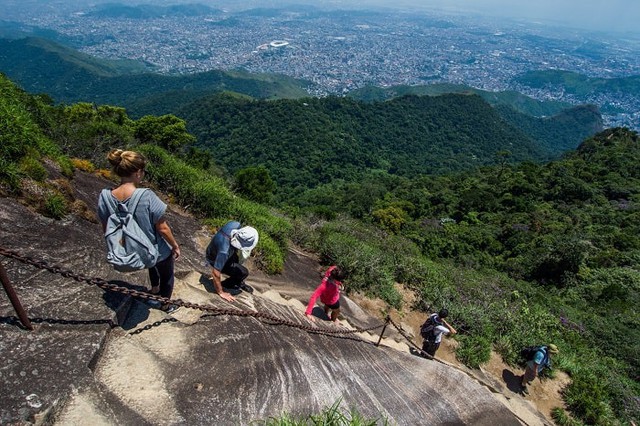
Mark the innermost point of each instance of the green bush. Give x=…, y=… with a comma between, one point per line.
x=9, y=174
x=33, y=168
x=587, y=398
x=55, y=206
x=474, y=350
x=269, y=256
x=330, y=416
x=563, y=419
x=255, y=183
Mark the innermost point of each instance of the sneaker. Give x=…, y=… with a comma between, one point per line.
x=524, y=391
x=169, y=309
x=153, y=304
x=246, y=287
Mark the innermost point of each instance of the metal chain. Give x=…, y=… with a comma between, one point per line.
x=104, y=284
x=150, y=326
x=411, y=342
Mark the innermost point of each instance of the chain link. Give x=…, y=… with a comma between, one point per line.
x=150, y=326
x=411, y=342
x=106, y=285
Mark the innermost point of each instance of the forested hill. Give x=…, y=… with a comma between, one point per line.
x=559, y=133
x=66, y=75
x=312, y=141
x=578, y=84
x=517, y=101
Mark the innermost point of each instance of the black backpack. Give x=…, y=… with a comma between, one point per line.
x=427, y=329
x=527, y=353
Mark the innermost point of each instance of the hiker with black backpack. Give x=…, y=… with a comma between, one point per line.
x=433, y=329
x=136, y=230
x=538, y=358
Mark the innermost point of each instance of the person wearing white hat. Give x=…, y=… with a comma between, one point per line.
x=228, y=249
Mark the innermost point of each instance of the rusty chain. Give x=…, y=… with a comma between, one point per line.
x=411, y=342
x=39, y=320
x=106, y=285
x=152, y=325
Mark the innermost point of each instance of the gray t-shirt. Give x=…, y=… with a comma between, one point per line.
x=149, y=211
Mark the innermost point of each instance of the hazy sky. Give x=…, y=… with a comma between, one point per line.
x=617, y=15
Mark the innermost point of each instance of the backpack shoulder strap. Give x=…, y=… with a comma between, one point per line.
x=108, y=200
x=135, y=199
x=545, y=351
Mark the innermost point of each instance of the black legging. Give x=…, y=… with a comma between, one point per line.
x=162, y=274
x=430, y=347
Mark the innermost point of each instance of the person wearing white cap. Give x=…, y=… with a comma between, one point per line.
x=228, y=249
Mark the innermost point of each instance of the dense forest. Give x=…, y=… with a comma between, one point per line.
x=304, y=143
x=521, y=252
x=515, y=100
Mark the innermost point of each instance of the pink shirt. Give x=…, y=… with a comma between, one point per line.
x=328, y=291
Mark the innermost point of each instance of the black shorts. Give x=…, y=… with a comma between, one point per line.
x=335, y=305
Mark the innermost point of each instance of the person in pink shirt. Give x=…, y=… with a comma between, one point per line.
x=329, y=293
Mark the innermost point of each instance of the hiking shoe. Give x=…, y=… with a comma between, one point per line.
x=168, y=309
x=153, y=303
x=246, y=287
x=524, y=391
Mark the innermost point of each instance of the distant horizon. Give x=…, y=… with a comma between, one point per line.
x=608, y=15
x=614, y=16
x=596, y=15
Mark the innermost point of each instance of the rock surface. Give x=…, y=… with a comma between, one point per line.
x=194, y=367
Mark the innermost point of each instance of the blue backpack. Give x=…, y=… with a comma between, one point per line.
x=128, y=247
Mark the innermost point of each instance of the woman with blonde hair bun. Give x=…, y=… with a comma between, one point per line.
x=150, y=217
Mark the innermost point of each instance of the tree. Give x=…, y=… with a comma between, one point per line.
x=255, y=183
x=166, y=131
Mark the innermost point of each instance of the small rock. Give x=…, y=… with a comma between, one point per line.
x=33, y=401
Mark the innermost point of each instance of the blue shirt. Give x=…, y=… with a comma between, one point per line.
x=541, y=359
x=219, y=250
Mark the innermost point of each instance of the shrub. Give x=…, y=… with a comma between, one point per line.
x=563, y=419
x=33, y=168
x=587, y=399
x=55, y=206
x=84, y=165
x=474, y=350
x=333, y=416
x=255, y=183
x=9, y=174
x=269, y=257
